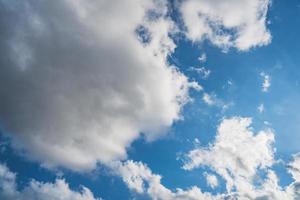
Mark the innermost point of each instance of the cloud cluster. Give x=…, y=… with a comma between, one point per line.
x=233, y=23
x=241, y=163
x=140, y=179
x=79, y=81
x=59, y=190
x=239, y=156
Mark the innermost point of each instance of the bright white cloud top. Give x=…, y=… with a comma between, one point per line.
x=140, y=179
x=236, y=154
x=239, y=155
x=232, y=23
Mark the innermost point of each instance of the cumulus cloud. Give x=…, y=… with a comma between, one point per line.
x=233, y=23
x=80, y=80
x=239, y=156
x=294, y=167
x=59, y=190
x=139, y=178
x=237, y=152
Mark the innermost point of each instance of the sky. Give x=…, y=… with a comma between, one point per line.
x=156, y=99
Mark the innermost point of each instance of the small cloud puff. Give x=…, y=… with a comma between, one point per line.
x=266, y=81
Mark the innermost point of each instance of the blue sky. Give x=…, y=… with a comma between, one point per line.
x=153, y=112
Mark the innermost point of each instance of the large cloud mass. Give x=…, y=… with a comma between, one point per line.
x=80, y=80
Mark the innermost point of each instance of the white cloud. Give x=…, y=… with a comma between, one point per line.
x=208, y=99
x=294, y=167
x=211, y=180
x=261, y=108
x=266, y=82
x=195, y=85
x=233, y=23
x=59, y=190
x=202, y=57
x=86, y=78
x=82, y=85
x=213, y=100
x=236, y=154
x=139, y=178
x=204, y=72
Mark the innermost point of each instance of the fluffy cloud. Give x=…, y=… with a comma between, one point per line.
x=232, y=23
x=211, y=180
x=236, y=154
x=39, y=191
x=294, y=167
x=80, y=80
x=239, y=155
x=140, y=179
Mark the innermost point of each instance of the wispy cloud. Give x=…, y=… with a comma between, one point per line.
x=266, y=82
x=261, y=108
